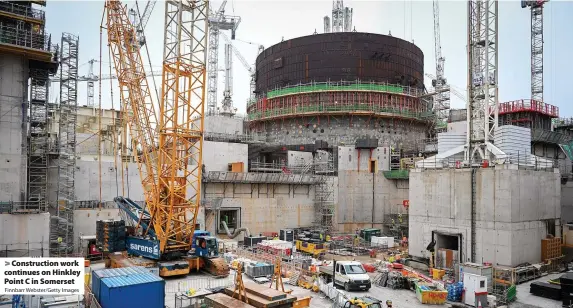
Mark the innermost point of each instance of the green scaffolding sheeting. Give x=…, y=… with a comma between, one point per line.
x=567, y=149
x=327, y=87
x=402, y=174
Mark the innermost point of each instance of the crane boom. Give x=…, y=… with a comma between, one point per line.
x=181, y=123
x=135, y=95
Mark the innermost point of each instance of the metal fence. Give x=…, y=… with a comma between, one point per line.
x=199, y=283
x=523, y=160
x=28, y=249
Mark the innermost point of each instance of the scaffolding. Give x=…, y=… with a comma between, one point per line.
x=61, y=236
x=324, y=190
x=379, y=99
x=38, y=141
x=528, y=113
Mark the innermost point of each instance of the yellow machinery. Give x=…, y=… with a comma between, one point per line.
x=314, y=249
x=363, y=302
x=166, y=136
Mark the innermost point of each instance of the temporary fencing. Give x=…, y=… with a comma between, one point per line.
x=199, y=283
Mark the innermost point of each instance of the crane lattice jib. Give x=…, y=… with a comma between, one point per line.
x=135, y=95
x=181, y=122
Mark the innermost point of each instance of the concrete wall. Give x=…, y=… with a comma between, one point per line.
x=567, y=202
x=224, y=125
x=458, y=127
x=87, y=183
x=348, y=158
x=299, y=158
x=264, y=207
x=13, y=97
x=365, y=198
x=25, y=232
x=85, y=221
x=343, y=131
x=218, y=155
x=513, y=210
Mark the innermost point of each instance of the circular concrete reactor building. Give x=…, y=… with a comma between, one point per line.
x=338, y=87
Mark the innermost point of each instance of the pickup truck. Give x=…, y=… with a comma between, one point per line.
x=348, y=274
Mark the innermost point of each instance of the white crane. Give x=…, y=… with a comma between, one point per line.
x=217, y=21
x=442, y=98
x=250, y=68
x=451, y=88
x=482, y=106
x=227, y=104
x=536, y=7
x=140, y=21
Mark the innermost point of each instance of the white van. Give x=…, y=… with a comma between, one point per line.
x=352, y=276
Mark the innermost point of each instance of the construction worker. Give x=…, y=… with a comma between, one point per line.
x=356, y=240
x=400, y=218
x=321, y=239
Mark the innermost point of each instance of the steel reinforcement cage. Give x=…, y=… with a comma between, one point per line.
x=379, y=99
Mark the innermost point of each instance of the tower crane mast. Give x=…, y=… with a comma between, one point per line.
x=536, y=7
x=250, y=68
x=442, y=98
x=218, y=21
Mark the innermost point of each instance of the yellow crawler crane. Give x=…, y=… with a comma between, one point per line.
x=169, y=142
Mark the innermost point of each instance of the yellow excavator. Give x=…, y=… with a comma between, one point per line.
x=365, y=302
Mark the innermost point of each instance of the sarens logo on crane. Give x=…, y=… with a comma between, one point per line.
x=149, y=249
x=143, y=247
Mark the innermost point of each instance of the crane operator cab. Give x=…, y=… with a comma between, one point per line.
x=206, y=246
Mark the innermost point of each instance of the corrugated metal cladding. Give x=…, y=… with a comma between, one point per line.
x=135, y=290
x=340, y=56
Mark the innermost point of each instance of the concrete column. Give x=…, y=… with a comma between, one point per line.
x=13, y=106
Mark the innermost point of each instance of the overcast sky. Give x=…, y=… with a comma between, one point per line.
x=266, y=22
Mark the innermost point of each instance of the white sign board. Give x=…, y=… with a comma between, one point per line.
x=53, y=276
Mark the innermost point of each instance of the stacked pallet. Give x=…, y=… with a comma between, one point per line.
x=110, y=235
x=550, y=248
x=262, y=296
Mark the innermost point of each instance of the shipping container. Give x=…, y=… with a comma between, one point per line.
x=98, y=275
x=137, y=290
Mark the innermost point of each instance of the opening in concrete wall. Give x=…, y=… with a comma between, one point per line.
x=232, y=217
x=447, y=249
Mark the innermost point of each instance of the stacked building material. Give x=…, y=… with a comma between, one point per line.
x=455, y=291
x=260, y=269
x=547, y=290
x=276, y=247
x=262, y=296
x=550, y=248
x=110, y=235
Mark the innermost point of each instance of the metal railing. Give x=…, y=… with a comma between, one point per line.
x=529, y=105
x=15, y=207
x=20, y=250
x=520, y=159
x=24, y=38
x=239, y=138
x=199, y=283
x=342, y=86
x=22, y=10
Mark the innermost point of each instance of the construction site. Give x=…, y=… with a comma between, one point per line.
x=349, y=178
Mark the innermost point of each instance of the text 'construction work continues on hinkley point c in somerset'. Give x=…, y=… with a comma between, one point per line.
x=56, y=276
